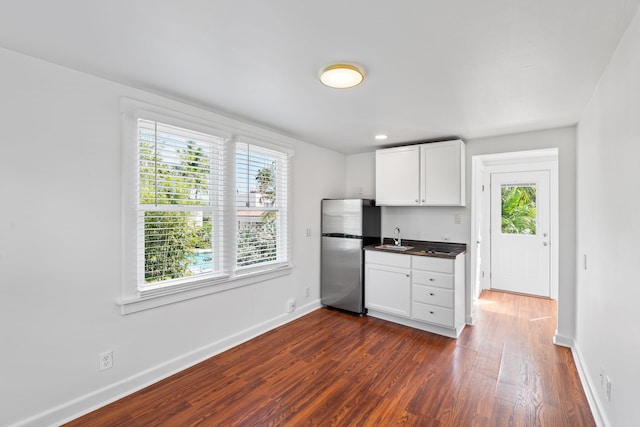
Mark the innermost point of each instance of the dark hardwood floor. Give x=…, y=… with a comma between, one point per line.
x=330, y=368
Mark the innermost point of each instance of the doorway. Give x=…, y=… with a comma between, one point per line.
x=522, y=162
x=519, y=232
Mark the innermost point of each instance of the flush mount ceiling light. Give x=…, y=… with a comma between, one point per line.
x=341, y=76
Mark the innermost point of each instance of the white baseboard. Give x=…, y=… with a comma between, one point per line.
x=599, y=415
x=94, y=400
x=563, y=340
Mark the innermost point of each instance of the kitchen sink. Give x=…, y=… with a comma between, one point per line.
x=395, y=248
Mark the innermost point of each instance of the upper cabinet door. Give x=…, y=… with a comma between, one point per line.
x=398, y=176
x=443, y=174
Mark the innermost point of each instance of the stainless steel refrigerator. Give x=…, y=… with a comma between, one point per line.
x=347, y=226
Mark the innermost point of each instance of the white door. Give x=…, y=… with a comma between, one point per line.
x=520, y=255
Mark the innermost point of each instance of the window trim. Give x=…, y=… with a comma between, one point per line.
x=181, y=115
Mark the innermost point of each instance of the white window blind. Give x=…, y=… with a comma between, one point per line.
x=261, y=206
x=181, y=200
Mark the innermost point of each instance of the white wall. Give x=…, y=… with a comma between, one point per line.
x=608, y=233
x=361, y=176
x=436, y=223
x=60, y=252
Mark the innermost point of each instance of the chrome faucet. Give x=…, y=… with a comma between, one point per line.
x=396, y=239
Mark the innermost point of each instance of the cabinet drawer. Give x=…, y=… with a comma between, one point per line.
x=430, y=278
x=433, y=296
x=432, y=314
x=440, y=265
x=385, y=258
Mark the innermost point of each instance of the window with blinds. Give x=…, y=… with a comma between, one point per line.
x=261, y=206
x=181, y=202
x=185, y=206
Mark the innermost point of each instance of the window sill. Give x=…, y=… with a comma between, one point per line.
x=206, y=287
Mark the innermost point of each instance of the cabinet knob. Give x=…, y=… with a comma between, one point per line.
x=422, y=200
x=431, y=279
x=408, y=275
x=417, y=200
x=432, y=312
x=431, y=293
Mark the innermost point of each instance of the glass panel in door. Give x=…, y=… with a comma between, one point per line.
x=518, y=207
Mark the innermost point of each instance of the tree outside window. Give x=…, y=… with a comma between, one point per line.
x=519, y=209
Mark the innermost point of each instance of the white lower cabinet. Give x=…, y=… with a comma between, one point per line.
x=418, y=291
x=388, y=283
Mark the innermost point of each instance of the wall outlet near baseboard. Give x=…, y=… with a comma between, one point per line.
x=291, y=305
x=106, y=360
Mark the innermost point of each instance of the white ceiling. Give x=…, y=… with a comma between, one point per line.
x=434, y=69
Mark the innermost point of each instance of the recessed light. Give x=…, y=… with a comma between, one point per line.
x=341, y=76
x=381, y=137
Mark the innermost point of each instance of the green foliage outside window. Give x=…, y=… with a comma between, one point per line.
x=172, y=237
x=518, y=209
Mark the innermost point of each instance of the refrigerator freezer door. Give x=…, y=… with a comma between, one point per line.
x=342, y=217
x=341, y=274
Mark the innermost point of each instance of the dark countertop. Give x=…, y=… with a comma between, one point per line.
x=422, y=248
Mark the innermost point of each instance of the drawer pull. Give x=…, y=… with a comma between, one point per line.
x=431, y=279
x=431, y=294
x=432, y=312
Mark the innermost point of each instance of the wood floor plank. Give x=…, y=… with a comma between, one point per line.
x=335, y=369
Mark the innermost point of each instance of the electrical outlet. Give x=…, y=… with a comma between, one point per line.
x=608, y=388
x=106, y=360
x=308, y=232
x=291, y=305
x=457, y=218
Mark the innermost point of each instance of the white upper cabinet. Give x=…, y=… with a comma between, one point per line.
x=398, y=176
x=421, y=175
x=442, y=173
